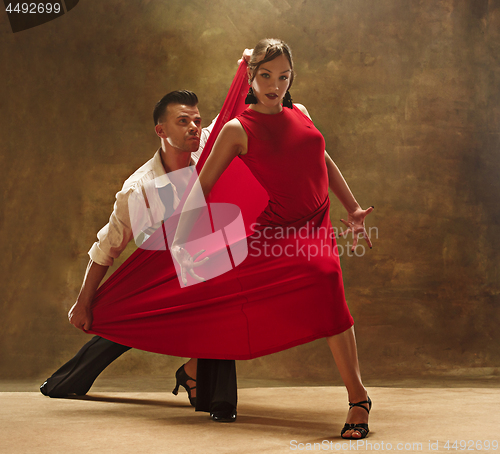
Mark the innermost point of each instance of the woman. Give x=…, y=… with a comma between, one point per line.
x=286, y=155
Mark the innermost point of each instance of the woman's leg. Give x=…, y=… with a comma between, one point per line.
x=343, y=347
x=191, y=369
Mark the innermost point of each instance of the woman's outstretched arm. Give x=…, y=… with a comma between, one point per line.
x=355, y=214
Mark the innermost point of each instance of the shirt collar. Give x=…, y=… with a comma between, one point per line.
x=160, y=176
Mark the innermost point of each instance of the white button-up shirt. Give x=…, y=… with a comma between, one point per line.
x=114, y=236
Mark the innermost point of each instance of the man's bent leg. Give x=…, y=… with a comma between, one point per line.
x=78, y=374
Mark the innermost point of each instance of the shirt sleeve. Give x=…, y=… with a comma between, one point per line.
x=205, y=133
x=113, y=238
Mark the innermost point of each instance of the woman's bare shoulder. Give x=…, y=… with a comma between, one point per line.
x=234, y=134
x=303, y=109
x=234, y=126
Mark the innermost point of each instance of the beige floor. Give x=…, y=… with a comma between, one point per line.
x=269, y=419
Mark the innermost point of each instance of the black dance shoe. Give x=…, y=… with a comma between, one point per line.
x=223, y=416
x=181, y=380
x=43, y=389
x=362, y=428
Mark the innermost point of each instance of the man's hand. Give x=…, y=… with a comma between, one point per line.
x=247, y=53
x=356, y=224
x=187, y=263
x=80, y=315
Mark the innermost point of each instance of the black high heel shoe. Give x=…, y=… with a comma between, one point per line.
x=362, y=428
x=181, y=380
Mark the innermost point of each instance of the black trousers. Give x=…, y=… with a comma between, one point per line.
x=216, y=387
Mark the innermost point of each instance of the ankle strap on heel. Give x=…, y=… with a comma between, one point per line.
x=360, y=404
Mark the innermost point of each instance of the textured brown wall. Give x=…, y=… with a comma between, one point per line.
x=406, y=93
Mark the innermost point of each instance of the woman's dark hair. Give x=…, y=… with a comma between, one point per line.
x=270, y=48
x=185, y=97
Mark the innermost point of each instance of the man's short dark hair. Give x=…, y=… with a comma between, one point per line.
x=185, y=97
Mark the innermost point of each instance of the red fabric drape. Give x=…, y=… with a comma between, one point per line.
x=260, y=307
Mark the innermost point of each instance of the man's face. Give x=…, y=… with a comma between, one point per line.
x=181, y=127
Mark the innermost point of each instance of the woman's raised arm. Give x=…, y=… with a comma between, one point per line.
x=231, y=141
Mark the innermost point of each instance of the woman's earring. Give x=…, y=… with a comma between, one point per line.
x=287, y=100
x=251, y=98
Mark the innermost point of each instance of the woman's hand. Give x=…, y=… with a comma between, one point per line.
x=247, y=53
x=356, y=224
x=187, y=263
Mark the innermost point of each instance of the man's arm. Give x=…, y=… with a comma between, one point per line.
x=80, y=315
x=112, y=240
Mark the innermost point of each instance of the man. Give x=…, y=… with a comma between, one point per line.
x=178, y=125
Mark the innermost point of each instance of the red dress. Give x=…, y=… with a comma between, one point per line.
x=288, y=290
